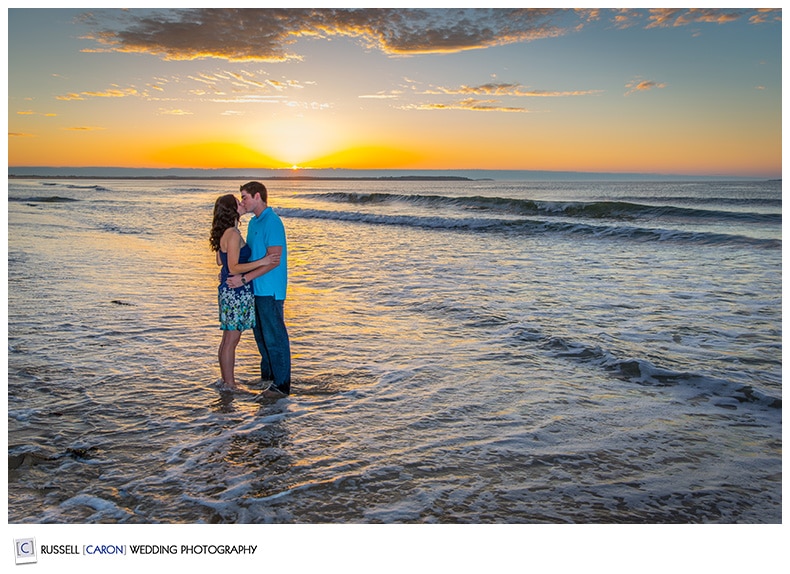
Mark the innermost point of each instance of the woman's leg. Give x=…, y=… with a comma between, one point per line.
x=227, y=356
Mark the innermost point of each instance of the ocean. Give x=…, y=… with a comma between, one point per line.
x=475, y=352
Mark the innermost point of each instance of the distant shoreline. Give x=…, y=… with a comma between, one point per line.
x=236, y=174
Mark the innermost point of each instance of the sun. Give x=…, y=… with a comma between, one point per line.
x=317, y=143
x=297, y=141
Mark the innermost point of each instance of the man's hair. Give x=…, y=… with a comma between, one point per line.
x=254, y=187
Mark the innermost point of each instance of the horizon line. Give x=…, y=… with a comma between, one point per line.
x=87, y=172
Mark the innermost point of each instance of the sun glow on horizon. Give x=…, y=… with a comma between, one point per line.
x=296, y=142
x=213, y=155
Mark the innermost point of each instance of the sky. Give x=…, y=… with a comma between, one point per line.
x=667, y=91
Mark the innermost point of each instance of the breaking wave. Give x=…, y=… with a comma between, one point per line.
x=618, y=210
x=47, y=199
x=535, y=226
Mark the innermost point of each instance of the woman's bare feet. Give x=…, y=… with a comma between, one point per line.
x=227, y=387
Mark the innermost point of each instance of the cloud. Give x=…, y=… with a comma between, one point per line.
x=664, y=17
x=626, y=17
x=20, y=135
x=764, y=15
x=674, y=17
x=383, y=95
x=308, y=105
x=209, y=80
x=514, y=90
x=637, y=85
x=174, y=112
x=491, y=104
x=246, y=79
x=469, y=104
x=114, y=92
x=32, y=113
x=242, y=84
x=218, y=85
x=83, y=129
x=248, y=99
x=267, y=34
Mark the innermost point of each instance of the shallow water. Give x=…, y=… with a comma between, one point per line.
x=463, y=352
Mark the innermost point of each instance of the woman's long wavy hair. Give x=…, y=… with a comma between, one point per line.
x=226, y=215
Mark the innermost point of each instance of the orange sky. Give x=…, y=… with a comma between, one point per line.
x=695, y=92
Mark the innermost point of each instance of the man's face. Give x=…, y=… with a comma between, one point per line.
x=246, y=203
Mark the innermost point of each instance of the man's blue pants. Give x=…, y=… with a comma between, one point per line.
x=274, y=346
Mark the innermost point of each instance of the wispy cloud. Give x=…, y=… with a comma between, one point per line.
x=638, y=85
x=674, y=17
x=468, y=104
x=246, y=79
x=249, y=99
x=242, y=86
x=83, y=129
x=383, y=95
x=280, y=86
x=514, y=90
x=269, y=34
x=488, y=97
x=174, y=112
x=114, y=92
x=627, y=17
x=20, y=135
x=666, y=17
x=32, y=113
x=764, y=15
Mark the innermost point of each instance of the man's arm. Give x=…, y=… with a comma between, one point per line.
x=235, y=281
x=272, y=259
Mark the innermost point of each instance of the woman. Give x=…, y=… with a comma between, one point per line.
x=236, y=306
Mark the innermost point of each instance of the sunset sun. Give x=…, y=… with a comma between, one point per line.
x=295, y=142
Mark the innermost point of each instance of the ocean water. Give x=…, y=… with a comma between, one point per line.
x=463, y=352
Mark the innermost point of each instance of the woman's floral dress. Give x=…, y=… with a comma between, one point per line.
x=236, y=306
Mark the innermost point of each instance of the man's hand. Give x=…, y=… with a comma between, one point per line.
x=234, y=281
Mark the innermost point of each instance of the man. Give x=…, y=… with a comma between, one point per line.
x=266, y=234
